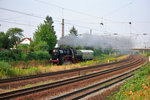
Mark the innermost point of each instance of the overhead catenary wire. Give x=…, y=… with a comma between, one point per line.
x=82, y=13
x=23, y=13
x=118, y=9
x=59, y=20
x=12, y=17
x=47, y=3
x=33, y=15
x=17, y=23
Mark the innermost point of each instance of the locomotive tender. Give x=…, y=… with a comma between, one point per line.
x=67, y=55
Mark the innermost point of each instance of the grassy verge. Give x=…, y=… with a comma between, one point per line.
x=26, y=86
x=7, y=71
x=136, y=88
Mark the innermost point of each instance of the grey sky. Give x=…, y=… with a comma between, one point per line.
x=83, y=14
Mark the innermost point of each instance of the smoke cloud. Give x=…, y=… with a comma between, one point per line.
x=104, y=41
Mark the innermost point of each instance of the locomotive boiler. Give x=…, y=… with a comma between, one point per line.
x=67, y=55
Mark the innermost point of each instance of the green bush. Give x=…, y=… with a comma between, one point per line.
x=5, y=69
x=10, y=55
x=42, y=55
x=38, y=55
x=41, y=45
x=18, y=55
x=31, y=55
x=23, y=56
x=5, y=55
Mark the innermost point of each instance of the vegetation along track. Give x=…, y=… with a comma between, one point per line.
x=22, y=81
x=9, y=95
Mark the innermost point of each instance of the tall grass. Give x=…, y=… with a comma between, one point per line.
x=26, y=72
x=5, y=69
x=30, y=63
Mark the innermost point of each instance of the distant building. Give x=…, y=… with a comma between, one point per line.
x=26, y=41
x=141, y=50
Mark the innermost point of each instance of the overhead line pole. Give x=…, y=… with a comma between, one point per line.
x=62, y=27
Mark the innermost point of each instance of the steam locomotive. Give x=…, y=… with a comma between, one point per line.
x=67, y=55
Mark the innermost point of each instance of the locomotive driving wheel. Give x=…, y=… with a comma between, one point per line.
x=67, y=60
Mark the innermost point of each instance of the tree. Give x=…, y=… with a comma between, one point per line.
x=73, y=31
x=15, y=35
x=41, y=45
x=45, y=32
x=4, y=41
x=2, y=34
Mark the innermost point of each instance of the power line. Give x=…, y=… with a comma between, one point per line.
x=36, y=26
x=82, y=13
x=27, y=14
x=12, y=17
x=33, y=15
x=19, y=12
x=47, y=3
x=23, y=13
x=115, y=11
x=17, y=23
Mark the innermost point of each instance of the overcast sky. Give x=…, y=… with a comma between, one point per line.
x=83, y=14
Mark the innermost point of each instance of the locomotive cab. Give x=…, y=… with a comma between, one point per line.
x=57, y=55
x=60, y=56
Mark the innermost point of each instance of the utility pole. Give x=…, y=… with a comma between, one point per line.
x=130, y=28
x=130, y=25
x=62, y=27
x=90, y=31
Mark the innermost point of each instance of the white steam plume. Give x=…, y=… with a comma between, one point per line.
x=103, y=41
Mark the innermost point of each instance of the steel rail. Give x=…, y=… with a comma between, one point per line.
x=90, y=87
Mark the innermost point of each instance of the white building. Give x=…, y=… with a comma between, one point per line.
x=25, y=41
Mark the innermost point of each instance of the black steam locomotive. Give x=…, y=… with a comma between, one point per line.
x=67, y=55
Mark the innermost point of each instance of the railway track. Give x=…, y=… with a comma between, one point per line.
x=23, y=92
x=81, y=93
x=59, y=72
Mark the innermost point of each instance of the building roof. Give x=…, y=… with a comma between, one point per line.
x=25, y=42
x=26, y=38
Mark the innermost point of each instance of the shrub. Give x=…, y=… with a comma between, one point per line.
x=23, y=47
x=23, y=56
x=5, y=55
x=16, y=54
x=5, y=69
x=31, y=55
x=41, y=45
x=10, y=55
x=38, y=55
x=42, y=55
